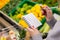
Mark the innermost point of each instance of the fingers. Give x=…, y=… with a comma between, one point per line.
x=33, y=31
x=47, y=8
x=33, y=27
x=48, y=11
x=30, y=30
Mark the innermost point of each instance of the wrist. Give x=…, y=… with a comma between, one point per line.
x=49, y=18
x=51, y=22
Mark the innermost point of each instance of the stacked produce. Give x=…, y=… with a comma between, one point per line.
x=24, y=9
x=45, y=28
x=50, y=3
x=27, y=9
x=37, y=11
x=19, y=13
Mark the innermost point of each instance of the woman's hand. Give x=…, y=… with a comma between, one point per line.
x=48, y=13
x=33, y=31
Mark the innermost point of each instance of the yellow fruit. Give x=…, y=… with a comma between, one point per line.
x=3, y=38
x=28, y=11
x=22, y=9
x=37, y=6
x=42, y=16
x=36, y=14
x=19, y=15
x=33, y=9
x=37, y=11
x=33, y=12
x=39, y=18
x=43, y=5
x=46, y=28
x=23, y=23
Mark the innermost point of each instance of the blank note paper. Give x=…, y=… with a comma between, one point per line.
x=32, y=20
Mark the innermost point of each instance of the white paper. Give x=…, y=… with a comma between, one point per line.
x=32, y=20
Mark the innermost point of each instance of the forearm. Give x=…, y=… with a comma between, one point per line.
x=52, y=22
x=54, y=34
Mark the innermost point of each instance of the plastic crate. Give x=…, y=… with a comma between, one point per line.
x=55, y=10
x=29, y=3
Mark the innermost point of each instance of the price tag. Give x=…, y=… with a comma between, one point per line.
x=3, y=3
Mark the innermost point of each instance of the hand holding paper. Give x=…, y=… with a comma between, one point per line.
x=32, y=20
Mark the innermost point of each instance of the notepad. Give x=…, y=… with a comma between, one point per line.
x=31, y=20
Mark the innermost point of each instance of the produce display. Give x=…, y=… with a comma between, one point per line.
x=37, y=11
x=16, y=9
x=50, y=3
x=19, y=13
x=26, y=9
x=14, y=3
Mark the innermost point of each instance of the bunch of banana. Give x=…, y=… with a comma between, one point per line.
x=36, y=10
x=45, y=28
x=23, y=23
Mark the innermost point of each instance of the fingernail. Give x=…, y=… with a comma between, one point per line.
x=46, y=6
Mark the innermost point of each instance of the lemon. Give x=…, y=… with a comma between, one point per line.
x=3, y=38
x=23, y=23
x=28, y=11
x=22, y=9
x=19, y=15
x=37, y=6
x=38, y=11
x=42, y=16
x=39, y=18
x=33, y=9
x=36, y=14
x=43, y=5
